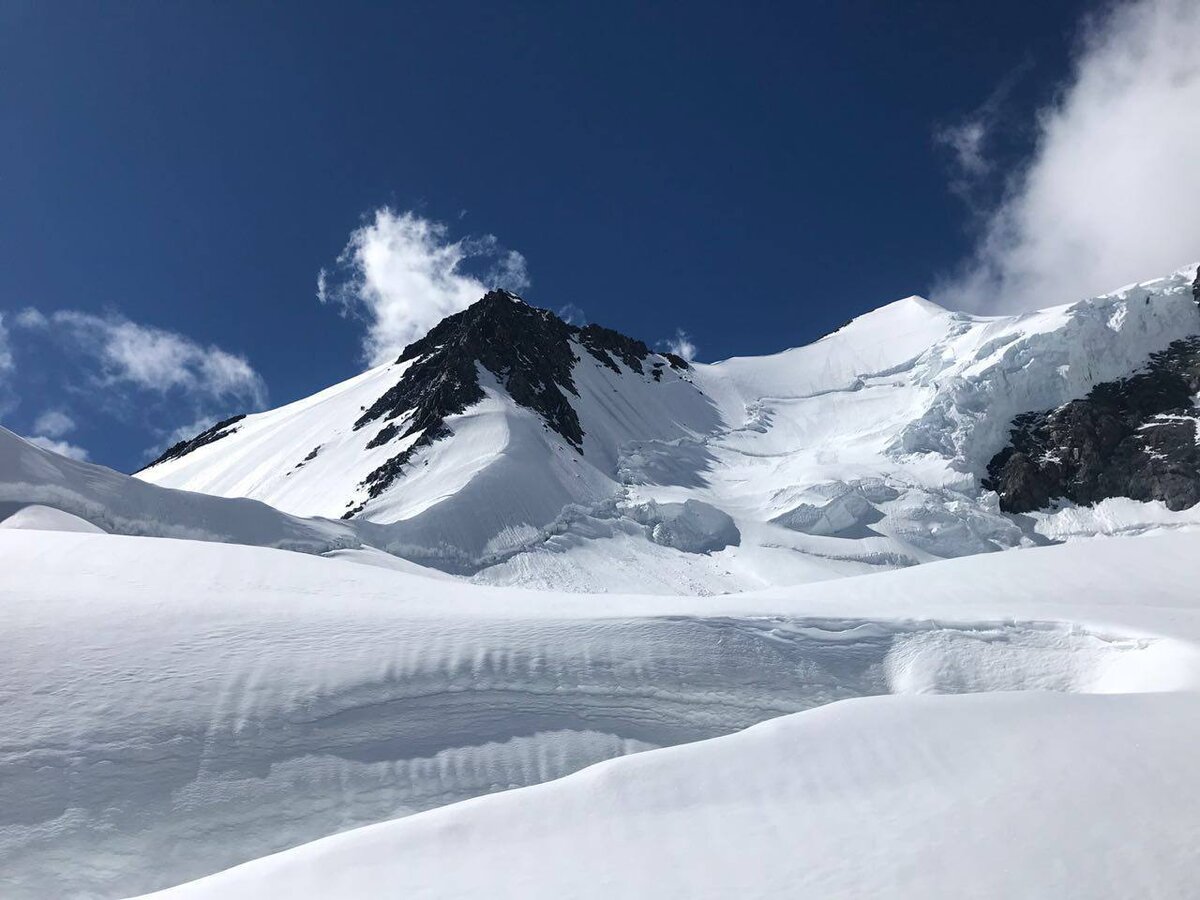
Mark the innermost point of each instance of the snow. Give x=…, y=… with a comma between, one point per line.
x=772, y=653
x=160, y=728
x=1114, y=516
x=996, y=795
x=33, y=476
x=46, y=518
x=911, y=398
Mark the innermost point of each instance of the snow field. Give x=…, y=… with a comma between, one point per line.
x=1038, y=796
x=160, y=731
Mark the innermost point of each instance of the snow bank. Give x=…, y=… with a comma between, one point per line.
x=32, y=476
x=45, y=518
x=987, y=796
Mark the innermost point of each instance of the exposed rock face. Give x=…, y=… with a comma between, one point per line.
x=600, y=342
x=1135, y=437
x=215, y=433
x=528, y=350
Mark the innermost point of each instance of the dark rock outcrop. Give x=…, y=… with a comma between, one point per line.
x=527, y=350
x=1135, y=437
x=601, y=342
x=222, y=429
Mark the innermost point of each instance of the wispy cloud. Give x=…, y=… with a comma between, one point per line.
x=62, y=448
x=974, y=140
x=123, y=370
x=1108, y=196
x=967, y=139
x=154, y=359
x=48, y=430
x=6, y=357
x=403, y=274
x=53, y=423
x=572, y=315
x=682, y=345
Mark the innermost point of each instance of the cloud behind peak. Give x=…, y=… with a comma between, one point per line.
x=1108, y=196
x=403, y=274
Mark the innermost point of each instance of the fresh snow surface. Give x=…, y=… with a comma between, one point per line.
x=995, y=795
x=860, y=452
x=172, y=708
x=46, y=518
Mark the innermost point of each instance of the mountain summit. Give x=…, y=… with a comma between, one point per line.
x=531, y=353
x=512, y=447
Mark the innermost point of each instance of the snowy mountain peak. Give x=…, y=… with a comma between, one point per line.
x=530, y=352
x=500, y=372
x=509, y=446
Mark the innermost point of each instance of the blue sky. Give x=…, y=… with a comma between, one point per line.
x=175, y=176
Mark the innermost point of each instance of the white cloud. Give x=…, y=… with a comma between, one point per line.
x=682, y=345
x=6, y=357
x=111, y=367
x=53, y=423
x=62, y=448
x=48, y=430
x=157, y=360
x=573, y=315
x=1109, y=194
x=404, y=275
x=974, y=140
x=967, y=140
x=31, y=318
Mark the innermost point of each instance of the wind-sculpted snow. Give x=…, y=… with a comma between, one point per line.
x=159, y=728
x=993, y=796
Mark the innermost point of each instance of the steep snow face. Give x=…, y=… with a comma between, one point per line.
x=862, y=451
x=160, y=728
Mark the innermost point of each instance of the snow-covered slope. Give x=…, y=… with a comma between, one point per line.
x=35, y=483
x=158, y=727
x=513, y=449
x=1037, y=796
